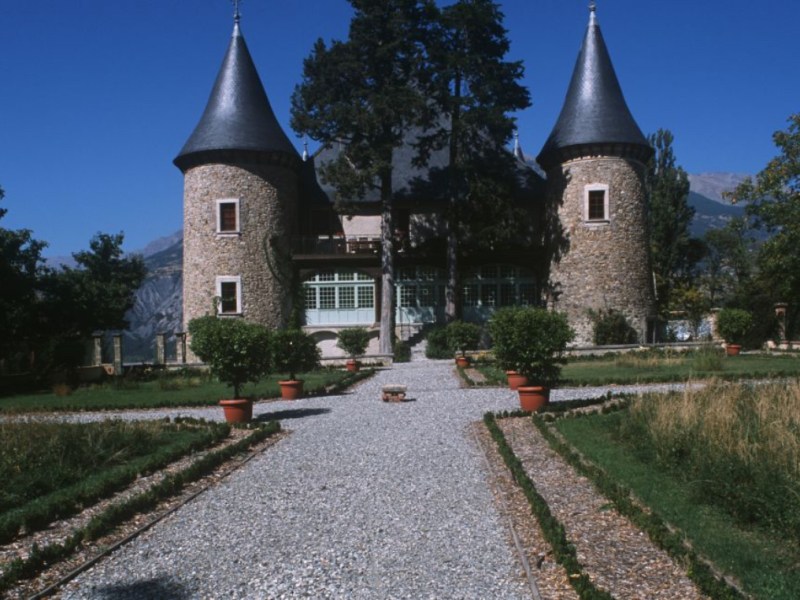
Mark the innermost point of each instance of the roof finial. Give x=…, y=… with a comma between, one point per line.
x=236, y=14
x=305, y=150
x=592, y=6
x=517, y=147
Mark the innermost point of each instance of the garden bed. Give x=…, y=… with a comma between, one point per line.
x=34, y=561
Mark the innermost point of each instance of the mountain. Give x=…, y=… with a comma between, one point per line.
x=159, y=301
x=713, y=185
x=711, y=214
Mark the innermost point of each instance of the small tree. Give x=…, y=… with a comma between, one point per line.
x=353, y=341
x=531, y=341
x=237, y=352
x=295, y=352
x=733, y=324
x=463, y=336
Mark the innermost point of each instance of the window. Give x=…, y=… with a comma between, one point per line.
x=366, y=297
x=347, y=297
x=327, y=297
x=470, y=292
x=596, y=202
x=408, y=296
x=229, y=292
x=311, y=298
x=228, y=216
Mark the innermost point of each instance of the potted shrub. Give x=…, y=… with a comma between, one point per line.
x=531, y=341
x=733, y=324
x=353, y=341
x=295, y=352
x=236, y=352
x=461, y=337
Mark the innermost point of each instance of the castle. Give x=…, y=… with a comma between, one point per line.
x=257, y=220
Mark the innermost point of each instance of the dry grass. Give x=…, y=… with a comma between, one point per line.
x=755, y=424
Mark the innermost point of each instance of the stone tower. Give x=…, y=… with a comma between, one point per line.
x=240, y=192
x=595, y=161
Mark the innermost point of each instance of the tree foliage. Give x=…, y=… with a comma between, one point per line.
x=97, y=293
x=236, y=352
x=366, y=94
x=353, y=341
x=531, y=341
x=473, y=90
x=21, y=267
x=674, y=252
x=295, y=352
x=773, y=199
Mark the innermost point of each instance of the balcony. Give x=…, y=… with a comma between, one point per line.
x=331, y=245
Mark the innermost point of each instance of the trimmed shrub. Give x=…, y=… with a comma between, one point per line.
x=237, y=352
x=462, y=336
x=354, y=341
x=531, y=341
x=611, y=327
x=437, y=344
x=295, y=352
x=733, y=324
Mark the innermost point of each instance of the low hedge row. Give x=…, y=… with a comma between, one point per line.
x=104, y=523
x=551, y=527
x=39, y=513
x=667, y=538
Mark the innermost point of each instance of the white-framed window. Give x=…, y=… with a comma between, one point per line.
x=595, y=203
x=229, y=292
x=227, y=210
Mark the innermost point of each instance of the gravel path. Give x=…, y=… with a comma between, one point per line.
x=364, y=500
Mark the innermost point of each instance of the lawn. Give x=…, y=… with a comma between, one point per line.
x=50, y=470
x=169, y=390
x=658, y=367
x=721, y=465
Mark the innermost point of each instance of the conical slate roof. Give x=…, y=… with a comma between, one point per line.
x=594, y=110
x=238, y=115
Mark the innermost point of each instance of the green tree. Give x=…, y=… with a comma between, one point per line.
x=97, y=293
x=773, y=199
x=673, y=251
x=237, y=352
x=728, y=264
x=366, y=93
x=474, y=88
x=21, y=266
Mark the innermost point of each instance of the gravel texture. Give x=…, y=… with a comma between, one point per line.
x=364, y=499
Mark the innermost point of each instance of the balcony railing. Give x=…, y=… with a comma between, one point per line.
x=336, y=245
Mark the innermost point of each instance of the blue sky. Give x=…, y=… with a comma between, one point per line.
x=98, y=96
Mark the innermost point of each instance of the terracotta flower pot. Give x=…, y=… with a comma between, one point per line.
x=533, y=398
x=239, y=410
x=352, y=365
x=733, y=349
x=515, y=380
x=291, y=389
x=462, y=362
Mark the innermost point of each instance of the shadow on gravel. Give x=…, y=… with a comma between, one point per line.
x=163, y=588
x=294, y=413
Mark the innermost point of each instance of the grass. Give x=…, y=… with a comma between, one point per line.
x=661, y=367
x=764, y=560
x=167, y=391
x=50, y=470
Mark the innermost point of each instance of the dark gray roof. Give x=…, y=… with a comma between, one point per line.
x=238, y=115
x=594, y=110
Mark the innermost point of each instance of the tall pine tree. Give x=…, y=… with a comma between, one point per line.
x=474, y=88
x=673, y=251
x=367, y=94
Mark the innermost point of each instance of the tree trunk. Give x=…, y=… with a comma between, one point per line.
x=452, y=308
x=387, y=267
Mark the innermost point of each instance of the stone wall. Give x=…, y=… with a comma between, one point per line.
x=267, y=206
x=606, y=265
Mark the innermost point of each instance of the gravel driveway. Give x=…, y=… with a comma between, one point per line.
x=363, y=500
